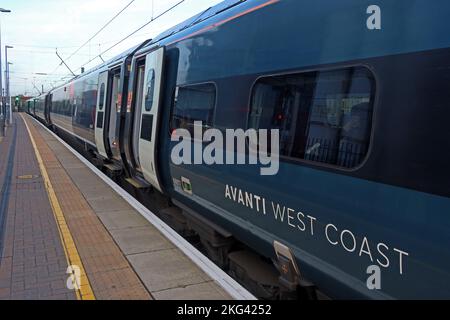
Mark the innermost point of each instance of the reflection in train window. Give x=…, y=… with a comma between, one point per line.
x=114, y=120
x=102, y=96
x=323, y=116
x=150, y=90
x=194, y=103
x=138, y=111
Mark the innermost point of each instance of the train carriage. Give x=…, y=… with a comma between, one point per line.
x=362, y=182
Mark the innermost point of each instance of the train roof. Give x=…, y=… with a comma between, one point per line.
x=200, y=17
x=118, y=58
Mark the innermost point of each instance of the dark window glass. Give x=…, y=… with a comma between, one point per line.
x=89, y=102
x=102, y=96
x=194, y=103
x=150, y=90
x=323, y=116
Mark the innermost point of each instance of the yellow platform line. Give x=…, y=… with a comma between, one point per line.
x=73, y=258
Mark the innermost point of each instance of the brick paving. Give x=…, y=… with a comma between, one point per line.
x=109, y=273
x=123, y=255
x=165, y=271
x=33, y=263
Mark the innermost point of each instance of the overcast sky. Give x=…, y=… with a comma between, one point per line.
x=37, y=28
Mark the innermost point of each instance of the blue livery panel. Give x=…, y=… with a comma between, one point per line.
x=391, y=210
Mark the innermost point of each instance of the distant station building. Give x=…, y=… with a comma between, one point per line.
x=18, y=103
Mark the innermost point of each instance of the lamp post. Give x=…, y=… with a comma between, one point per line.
x=2, y=105
x=9, y=93
x=8, y=104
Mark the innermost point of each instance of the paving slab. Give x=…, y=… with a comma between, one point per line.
x=109, y=204
x=140, y=240
x=166, y=269
x=122, y=220
x=105, y=268
x=163, y=269
x=202, y=291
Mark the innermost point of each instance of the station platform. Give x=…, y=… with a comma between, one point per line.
x=66, y=234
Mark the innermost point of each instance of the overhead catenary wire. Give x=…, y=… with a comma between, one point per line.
x=52, y=49
x=38, y=52
x=57, y=67
x=62, y=61
x=132, y=33
x=92, y=37
x=101, y=29
x=118, y=42
x=41, y=47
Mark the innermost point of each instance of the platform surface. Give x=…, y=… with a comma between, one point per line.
x=55, y=213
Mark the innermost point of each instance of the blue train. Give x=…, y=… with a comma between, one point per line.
x=359, y=93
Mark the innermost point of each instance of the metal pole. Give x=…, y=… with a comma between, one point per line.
x=2, y=115
x=9, y=96
x=1, y=75
x=6, y=84
x=2, y=126
x=2, y=102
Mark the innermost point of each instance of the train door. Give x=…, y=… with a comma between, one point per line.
x=100, y=118
x=137, y=117
x=150, y=105
x=48, y=107
x=114, y=101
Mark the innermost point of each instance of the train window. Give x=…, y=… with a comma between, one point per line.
x=140, y=81
x=194, y=103
x=150, y=90
x=322, y=116
x=102, y=96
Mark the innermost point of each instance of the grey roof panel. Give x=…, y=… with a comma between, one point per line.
x=202, y=16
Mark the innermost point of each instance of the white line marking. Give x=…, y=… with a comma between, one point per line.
x=231, y=286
